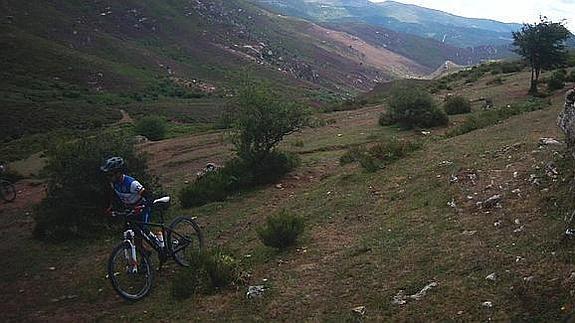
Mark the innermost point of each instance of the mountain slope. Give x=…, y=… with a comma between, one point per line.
x=441, y=26
x=69, y=56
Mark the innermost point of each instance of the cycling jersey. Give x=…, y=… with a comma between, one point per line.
x=128, y=190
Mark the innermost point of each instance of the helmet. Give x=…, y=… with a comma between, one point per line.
x=113, y=164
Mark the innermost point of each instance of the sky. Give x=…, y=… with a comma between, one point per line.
x=519, y=11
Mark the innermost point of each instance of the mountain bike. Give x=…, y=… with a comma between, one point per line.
x=130, y=268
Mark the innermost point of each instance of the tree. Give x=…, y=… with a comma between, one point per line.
x=542, y=45
x=262, y=120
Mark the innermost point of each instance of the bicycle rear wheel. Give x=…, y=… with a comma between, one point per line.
x=184, y=240
x=130, y=284
x=7, y=191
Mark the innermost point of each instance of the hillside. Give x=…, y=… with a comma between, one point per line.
x=90, y=59
x=372, y=239
x=405, y=18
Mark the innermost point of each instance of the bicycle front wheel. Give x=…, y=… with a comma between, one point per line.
x=7, y=191
x=184, y=240
x=131, y=280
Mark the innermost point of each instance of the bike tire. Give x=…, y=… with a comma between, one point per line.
x=7, y=191
x=146, y=271
x=184, y=229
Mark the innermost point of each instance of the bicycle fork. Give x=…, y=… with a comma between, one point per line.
x=130, y=255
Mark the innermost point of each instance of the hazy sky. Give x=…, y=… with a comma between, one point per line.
x=508, y=11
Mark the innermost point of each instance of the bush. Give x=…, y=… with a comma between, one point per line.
x=77, y=190
x=491, y=117
x=151, y=127
x=190, y=280
x=207, y=271
x=237, y=174
x=557, y=80
x=281, y=230
x=571, y=77
x=374, y=158
x=457, y=105
x=413, y=107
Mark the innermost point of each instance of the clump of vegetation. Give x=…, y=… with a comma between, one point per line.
x=237, y=174
x=260, y=123
x=77, y=190
x=491, y=117
x=457, y=105
x=375, y=157
x=151, y=127
x=412, y=107
x=281, y=230
x=557, y=80
x=208, y=271
x=571, y=77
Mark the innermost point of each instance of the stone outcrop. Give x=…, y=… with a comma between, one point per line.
x=566, y=121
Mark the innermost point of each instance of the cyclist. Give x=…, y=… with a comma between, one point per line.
x=128, y=191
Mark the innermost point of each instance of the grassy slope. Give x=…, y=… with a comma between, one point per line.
x=369, y=236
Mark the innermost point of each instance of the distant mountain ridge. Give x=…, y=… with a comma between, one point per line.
x=444, y=27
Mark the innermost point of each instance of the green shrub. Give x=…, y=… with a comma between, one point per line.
x=492, y=117
x=571, y=77
x=281, y=230
x=412, y=107
x=207, y=272
x=374, y=158
x=557, y=80
x=151, y=127
x=191, y=280
x=236, y=175
x=457, y=105
x=352, y=155
x=386, y=119
x=77, y=190
x=511, y=67
x=223, y=270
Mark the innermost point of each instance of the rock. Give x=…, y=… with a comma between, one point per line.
x=360, y=310
x=491, y=202
x=468, y=233
x=519, y=230
x=497, y=223
x=399, y=298
x=255, y=291
x=419, y=295
x=551, y=170
x=452, y=204
x=517, y=221
x=139, y=139
x=492, y=277
x=487, y=304
x=426, y=133
x=279, y=186
x=566, y=121
x=516, y=191
x=549, y=141
x=528, y=279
